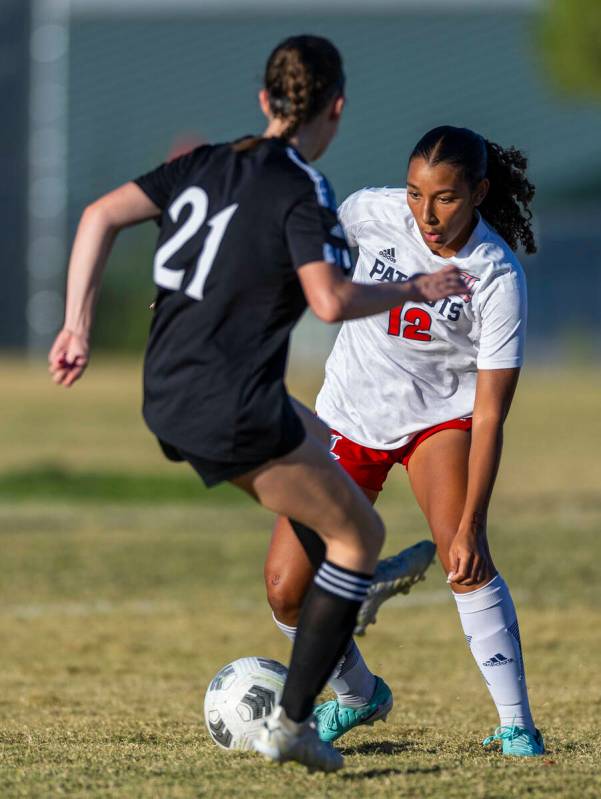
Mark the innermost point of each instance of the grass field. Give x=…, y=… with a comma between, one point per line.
x=125, y=586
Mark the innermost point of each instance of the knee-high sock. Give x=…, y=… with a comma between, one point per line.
x=325, y=627
x=491, y=628
x=351, y=680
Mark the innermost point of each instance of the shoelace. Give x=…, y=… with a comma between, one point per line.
x=329, y=715
x=506, y=734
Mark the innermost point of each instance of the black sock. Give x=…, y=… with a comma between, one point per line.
x=311, y=543
x=325, y=626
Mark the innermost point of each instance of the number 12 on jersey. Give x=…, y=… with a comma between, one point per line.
x=198, y=200
x=418, y=322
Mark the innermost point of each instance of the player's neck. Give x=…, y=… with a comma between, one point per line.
x=304, y=140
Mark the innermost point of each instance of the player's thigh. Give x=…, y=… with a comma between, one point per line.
x=308, y=486
x=438, y=471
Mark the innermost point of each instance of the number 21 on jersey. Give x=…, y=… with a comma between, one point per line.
x=198, y=201
x=418, y=324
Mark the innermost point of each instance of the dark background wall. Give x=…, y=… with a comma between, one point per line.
x=14, y=96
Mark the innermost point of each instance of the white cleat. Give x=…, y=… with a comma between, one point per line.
x=394, y=575
x=282, y=739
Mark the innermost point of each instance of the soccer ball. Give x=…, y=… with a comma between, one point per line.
x=239, y=698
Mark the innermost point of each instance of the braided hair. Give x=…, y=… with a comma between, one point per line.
x=506, y=206
x=302, y=75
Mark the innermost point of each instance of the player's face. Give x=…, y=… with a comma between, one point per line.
x=443, y=204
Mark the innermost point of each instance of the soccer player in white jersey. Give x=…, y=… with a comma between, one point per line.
x=429, y=385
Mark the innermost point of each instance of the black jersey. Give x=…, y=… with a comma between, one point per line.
x=235, y=226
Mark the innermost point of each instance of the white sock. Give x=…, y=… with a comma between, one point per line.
x=491, y=628
x=352, y=682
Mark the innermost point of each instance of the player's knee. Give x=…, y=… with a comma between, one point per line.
x=443, y=538
x=284, y=598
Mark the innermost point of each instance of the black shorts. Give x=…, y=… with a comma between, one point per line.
x=213, y=472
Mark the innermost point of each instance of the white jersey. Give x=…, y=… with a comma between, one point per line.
x=392, y=375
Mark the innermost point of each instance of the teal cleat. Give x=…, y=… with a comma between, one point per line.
x=334, y=720
x=517, y=741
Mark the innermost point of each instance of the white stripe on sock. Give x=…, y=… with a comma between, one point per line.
x=342, y=583
x=332, y=589
x=351, y=581
x=351, y=578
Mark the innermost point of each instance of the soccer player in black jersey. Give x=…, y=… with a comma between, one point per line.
x=249, y=236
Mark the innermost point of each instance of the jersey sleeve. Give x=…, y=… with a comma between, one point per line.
x=313, y=233
x=503, y=316
x=160, y=183
x=349, y=218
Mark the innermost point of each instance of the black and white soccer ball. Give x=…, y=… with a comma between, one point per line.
x=240, y=697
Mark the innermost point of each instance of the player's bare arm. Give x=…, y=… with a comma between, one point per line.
x=335, y=298
x=99, y=225
x=468, y=554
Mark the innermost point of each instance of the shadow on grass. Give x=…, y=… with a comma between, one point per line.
x=378, y=748
x=53, y=482
x=391, y=748
x=389, y=771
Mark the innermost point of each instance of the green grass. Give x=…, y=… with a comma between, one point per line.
x=125, y=585
x=55, y=483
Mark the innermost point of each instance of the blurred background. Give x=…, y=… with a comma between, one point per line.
x=95, y=92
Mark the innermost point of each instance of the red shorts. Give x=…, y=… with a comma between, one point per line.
x=369, y=467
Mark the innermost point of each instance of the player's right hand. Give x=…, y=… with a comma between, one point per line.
x=428, y=288
x=68, y=357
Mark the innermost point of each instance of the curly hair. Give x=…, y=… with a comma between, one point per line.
x=302, y=75
x=506, y=205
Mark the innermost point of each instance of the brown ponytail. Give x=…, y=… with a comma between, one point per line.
x=506, y=206
x=302, y=75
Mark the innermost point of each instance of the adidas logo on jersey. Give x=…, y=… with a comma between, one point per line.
x=389, y=254
x=498, y=660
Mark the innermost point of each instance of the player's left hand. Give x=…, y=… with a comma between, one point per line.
x=68, y=357
x=468, y=556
